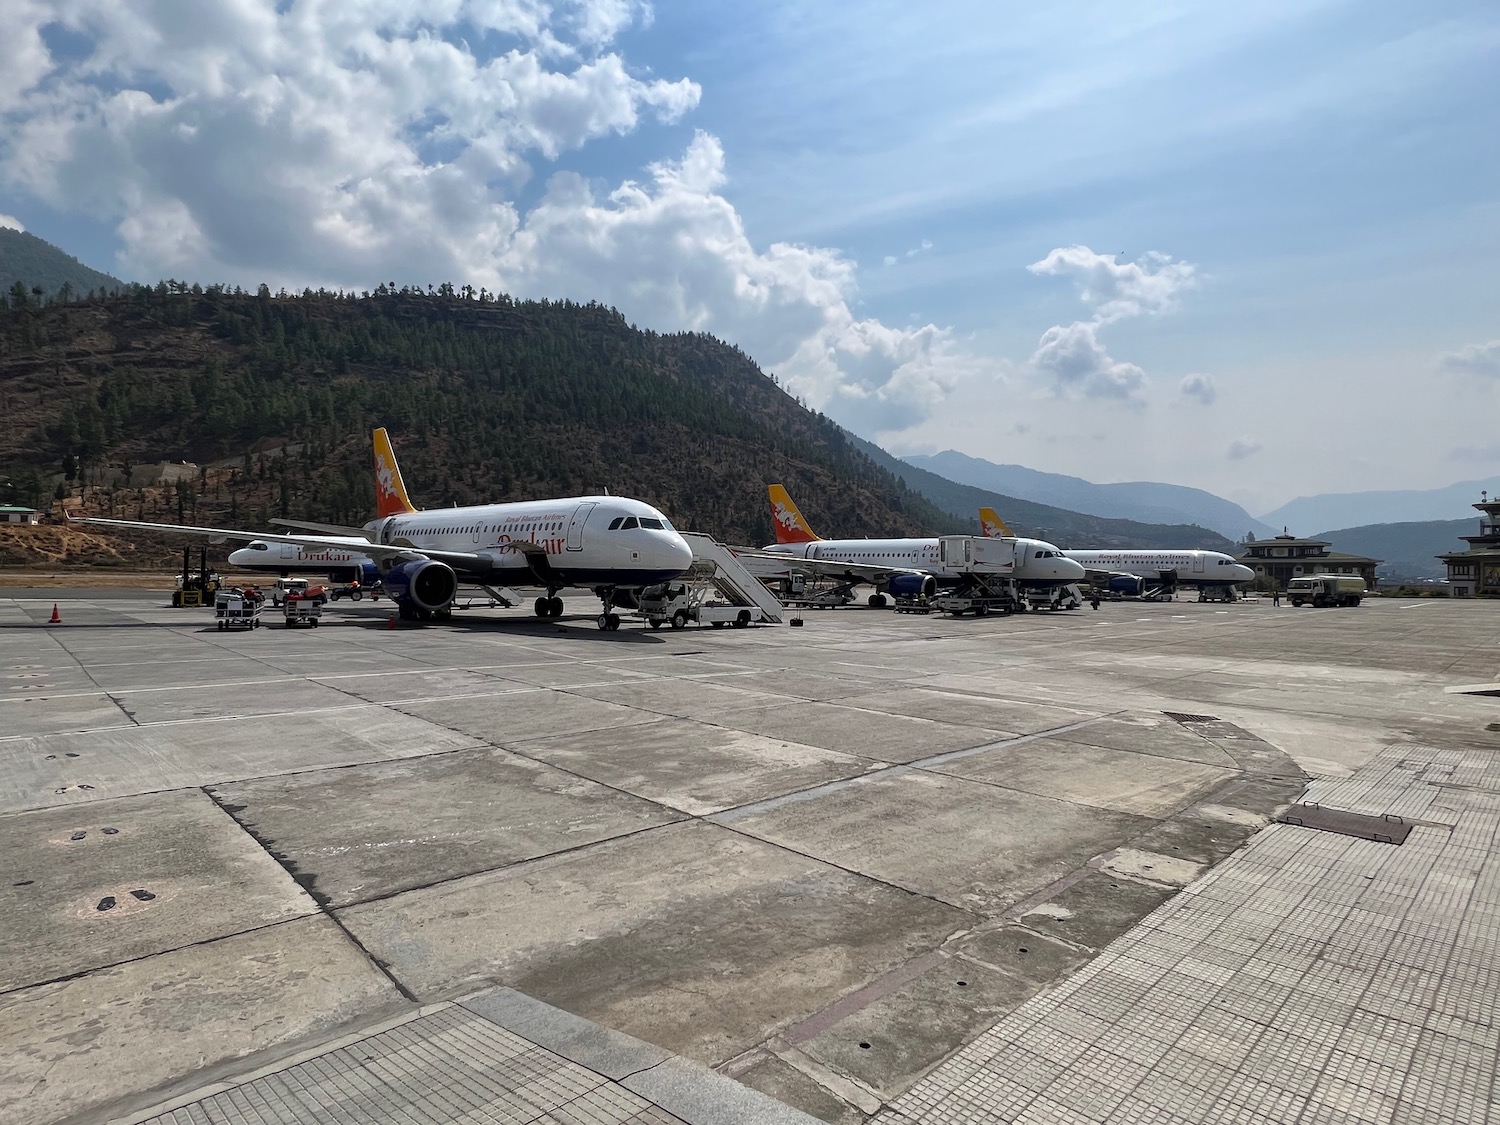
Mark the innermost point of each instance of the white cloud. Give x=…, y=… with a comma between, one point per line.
x=365, y=141
x=10, y=222
x=1200, y=387
x=1077, y=363
x=1475, y=359
x=1241, y=448
x=1071, y=358
x=1115, y=289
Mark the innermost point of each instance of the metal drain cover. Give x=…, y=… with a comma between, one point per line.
x=1181, y=718
x=1388, y=829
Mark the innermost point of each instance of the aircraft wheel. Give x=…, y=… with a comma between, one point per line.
x=543, y=607
x=557, y=606
x=679, y=619
x=614, y=621
x=877, y=601
x=603, y=622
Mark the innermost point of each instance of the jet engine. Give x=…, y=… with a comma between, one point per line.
x=1129, y=585
x=912, y=586
x=366, y=574
x=423, y=584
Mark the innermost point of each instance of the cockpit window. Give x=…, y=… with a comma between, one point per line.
x=630, y=522
x=614, y=524
x=652, y=524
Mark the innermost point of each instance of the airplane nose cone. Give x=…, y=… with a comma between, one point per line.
x=1243, y=573
x=1070, y=570
x=677, y=556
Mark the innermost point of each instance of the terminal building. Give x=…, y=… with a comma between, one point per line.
x=1285, y=557
x=1477, y=570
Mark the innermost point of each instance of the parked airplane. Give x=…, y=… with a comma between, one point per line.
x=899, y=566
x=611, y=544
x=1202, y=570
x=292, y=558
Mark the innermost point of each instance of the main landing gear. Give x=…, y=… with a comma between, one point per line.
x=550, y=606
x=609, y=620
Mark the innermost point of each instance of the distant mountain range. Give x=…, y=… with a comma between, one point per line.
x=1355, y=509
x=1142, y=501
x=1068, y=529
x=1408, y=550
x=37, y=264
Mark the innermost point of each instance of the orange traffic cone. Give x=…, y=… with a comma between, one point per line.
x=390, y=622
x=56, y=618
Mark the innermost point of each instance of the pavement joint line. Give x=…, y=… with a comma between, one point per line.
x=65, y=977
x=322, y=907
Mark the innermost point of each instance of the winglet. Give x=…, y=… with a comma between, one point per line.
x=390, y=490
x=993, y=526
x=789, y=524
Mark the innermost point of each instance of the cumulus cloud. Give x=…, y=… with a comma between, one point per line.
x=10, y=222
x=1475, y=359
x=1200, y=387
x=1241, y=448
x=1116, y=289
x=1071, y=358
x=352, y=143
x=1075, y=361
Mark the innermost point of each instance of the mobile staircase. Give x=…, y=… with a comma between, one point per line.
x=716, y=567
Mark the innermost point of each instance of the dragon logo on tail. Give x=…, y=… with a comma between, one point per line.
x=390, y=490
x=787, y=520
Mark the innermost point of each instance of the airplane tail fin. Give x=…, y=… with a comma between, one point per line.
x=390, y=490
x=788, y=521
x=992, y=525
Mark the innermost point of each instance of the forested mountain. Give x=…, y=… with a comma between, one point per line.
x=1069, y=530
x=487, y=399
x=42, y=270
x=1408, y=550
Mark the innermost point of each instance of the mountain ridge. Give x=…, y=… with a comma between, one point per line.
x=34, y=263
x=1141, y=501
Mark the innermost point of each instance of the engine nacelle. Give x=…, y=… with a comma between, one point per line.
x=911, y=586
x=1128, y=585
x=423, y=583
x=366, y=574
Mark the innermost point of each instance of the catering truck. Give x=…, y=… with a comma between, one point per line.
x=1326, y=589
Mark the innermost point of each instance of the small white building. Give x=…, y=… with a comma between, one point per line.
x=12, y=513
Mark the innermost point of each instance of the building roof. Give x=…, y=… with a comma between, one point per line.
x=1326, y=556
x=15, y=509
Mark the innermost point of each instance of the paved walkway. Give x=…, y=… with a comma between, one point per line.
x=480, y=1060
x=1311, y=977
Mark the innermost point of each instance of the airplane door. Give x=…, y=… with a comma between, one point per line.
x=1197, y=562
x=288, y=550
x=575, y=525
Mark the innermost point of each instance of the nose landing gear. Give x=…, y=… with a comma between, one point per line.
x=609, y=620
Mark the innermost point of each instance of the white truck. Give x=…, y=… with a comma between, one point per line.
x=677, y=603
x=985, y=570
x=1326, y=589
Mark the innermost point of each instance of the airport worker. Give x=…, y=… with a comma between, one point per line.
x=1275, y=595
x=1094, y=601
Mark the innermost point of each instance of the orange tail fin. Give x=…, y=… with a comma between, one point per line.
x=789, y=524
x=390, y=490
x=992, y=525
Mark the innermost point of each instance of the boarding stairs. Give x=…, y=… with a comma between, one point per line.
x=716, y=566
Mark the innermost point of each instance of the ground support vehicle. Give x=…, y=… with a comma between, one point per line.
x=979, y=595
x=1217, y=594
x=285, y=588
x=354, y=592
x=1326, y=589
x=677, y=603
x=303, y=610
x=912, y=603
x=796, y=589
x=985, y=569
x=236, y=611
x=1059, y=597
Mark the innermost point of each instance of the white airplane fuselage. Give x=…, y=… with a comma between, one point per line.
x=1039, y=565
x=291, y=558
x=1189, y=568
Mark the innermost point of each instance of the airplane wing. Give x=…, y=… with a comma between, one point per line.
x=827, y=568
x=463, y=561
x=325, y=528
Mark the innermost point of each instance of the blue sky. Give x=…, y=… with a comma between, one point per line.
x=1289, y=209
